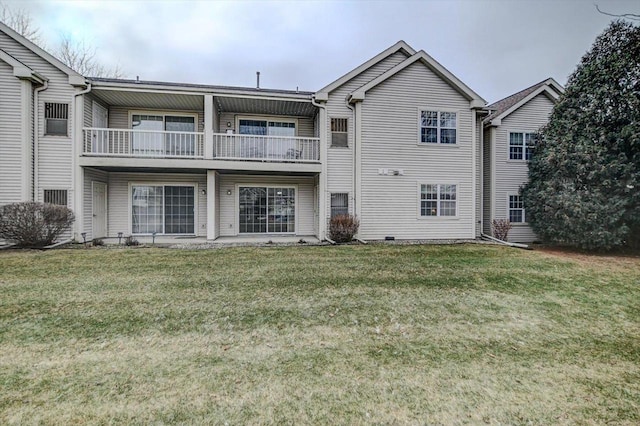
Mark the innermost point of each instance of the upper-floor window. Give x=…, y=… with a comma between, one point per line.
x=56, y=118
x=438, y=127
x=516, y=209
x=339, y=132
x=438, y=200
x=521, y=145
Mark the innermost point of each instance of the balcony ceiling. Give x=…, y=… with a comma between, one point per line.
x=151, y=100
x=265, y=106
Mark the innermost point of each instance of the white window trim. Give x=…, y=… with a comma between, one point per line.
x=524, y=211
x=44, y=133
x=275, y=118
x=419, y=191
x=163, y=183
x=439, y=110
x=524, y=147
x=163, y=114
x=348, y=133
x=236, y=221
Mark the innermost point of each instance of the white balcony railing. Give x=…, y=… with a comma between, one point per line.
x=265, y=148
x=142, y=143
x=162, y=144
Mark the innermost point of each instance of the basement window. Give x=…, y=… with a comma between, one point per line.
x=56, y=196
x=56, y=117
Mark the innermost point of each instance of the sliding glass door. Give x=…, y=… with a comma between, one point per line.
x=163, y=209
x=163, y=135
x=266, y=210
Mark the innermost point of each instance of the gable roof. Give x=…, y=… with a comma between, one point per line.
x=74, y=78
x=421, y=56
x=400, y=46
x=502, y=108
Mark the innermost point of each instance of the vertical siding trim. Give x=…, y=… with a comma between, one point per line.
x=322, y=190
x=492, y=208
x=358, y=159
x=77, y=174
x=474, y=168
x=481, y=162
x=25, y=97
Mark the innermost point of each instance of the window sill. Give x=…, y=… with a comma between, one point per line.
x=448, y=145
x=339, y=147
x=519, y=224
x=518, y=161
x=438, y=217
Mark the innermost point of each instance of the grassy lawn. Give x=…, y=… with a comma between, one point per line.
x=359, y=334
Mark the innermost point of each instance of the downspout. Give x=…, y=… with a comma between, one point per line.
x=355, y=165
x=322, y=210
x=36, y=139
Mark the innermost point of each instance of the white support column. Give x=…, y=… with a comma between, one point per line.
x=208, y=126
x=78, y=172
x=322, y=187
x=212, y=175
x=26, y=165
x=492, y=153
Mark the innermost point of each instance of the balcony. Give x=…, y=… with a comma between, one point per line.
x=142, y=143
x=265, y=148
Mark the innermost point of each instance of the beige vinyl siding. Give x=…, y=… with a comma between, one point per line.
x=228, y=203
x=340, y=160
x=486, y=181
x=512, y=174
x=91, y=175
x=119, y=202
x=305, y=127
x=390, y=130
x=11, y=173
x=55, y=152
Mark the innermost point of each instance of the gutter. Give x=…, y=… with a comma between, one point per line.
x=36, y=139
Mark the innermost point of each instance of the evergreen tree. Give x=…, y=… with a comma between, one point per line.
x=584, y=178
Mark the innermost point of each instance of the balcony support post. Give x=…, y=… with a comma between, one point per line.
x=208, y=127
x=212, y=175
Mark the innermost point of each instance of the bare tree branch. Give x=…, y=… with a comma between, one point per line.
x=78, y=55
x=20, y=21
x=632, y=16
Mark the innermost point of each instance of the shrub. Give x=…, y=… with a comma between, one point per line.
x=343, y=227
x=98, y=242
x=32, y=224
x=501, y=228
x=130, y=241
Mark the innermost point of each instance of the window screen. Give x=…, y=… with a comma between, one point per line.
x=339, y=132
x=56, y=118
x=339, y=204
x=55, y=196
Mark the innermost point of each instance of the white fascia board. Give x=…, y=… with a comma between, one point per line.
x=552, y=94
x=38, y=51
x=475, y=99
x=401, y=45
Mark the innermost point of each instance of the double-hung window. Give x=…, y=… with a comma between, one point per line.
x=438, y=200
x=516, y=209
x=438, y=127
x=521, y=145
x=339, y=132
x=162, y=209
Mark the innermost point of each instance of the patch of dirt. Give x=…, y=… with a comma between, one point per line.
x=626, y=258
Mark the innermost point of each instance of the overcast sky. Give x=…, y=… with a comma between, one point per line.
x=496, y=47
